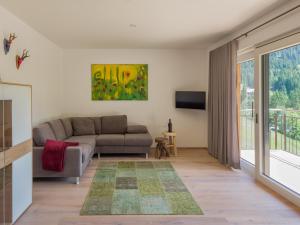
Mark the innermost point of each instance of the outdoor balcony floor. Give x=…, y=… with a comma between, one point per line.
x=284, y=167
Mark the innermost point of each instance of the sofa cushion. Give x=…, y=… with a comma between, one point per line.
x=138, y=139
x=58, y=129
x=114, y=124
x=83, y=126
x=97, y=123
x=87, y=144
x=85, y=139
x=68, y=126
x=110, y=140
x=137, y=129
x=86, y=151
x=42, y=133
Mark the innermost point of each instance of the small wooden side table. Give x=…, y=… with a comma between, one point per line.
x=171, y=141
x=161, y=147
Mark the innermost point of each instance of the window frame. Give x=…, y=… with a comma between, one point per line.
x=259, y=111
x=244, y=56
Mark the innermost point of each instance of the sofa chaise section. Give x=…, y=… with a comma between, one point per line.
x=76, y=157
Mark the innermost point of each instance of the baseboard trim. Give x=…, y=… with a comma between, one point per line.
x=192, y=148
x=182, y=148
x=248, y=168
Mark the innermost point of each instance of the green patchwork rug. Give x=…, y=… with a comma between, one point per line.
x=133, y=188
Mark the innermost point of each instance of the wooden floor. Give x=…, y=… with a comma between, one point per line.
x=226, y=196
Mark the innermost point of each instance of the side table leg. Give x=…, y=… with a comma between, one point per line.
x=175, y=146
x=157, y=151
x=160, y=150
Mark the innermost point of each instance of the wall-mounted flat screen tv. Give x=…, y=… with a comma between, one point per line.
x=190, y=99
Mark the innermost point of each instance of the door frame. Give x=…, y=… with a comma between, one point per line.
x=259, y=113
x=245, y=55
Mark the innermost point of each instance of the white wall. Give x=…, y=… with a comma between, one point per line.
x=61, y=82
x=42, y=70
x=169, y=70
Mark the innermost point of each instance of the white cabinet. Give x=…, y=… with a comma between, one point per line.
x=15, y=151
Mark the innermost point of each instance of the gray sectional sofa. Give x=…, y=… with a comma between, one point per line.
x=107, y=134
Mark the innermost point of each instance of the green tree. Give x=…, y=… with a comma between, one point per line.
x=278, y=99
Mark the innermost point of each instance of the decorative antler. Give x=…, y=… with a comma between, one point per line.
x=11, y=37
x=24, y=54
x=20, y=59
x=7, y=42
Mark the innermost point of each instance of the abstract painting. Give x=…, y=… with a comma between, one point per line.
x=119, y=81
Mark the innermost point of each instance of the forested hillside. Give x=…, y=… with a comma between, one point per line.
x=285, y=78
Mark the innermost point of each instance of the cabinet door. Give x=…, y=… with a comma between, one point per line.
x=21, y=185
x=2, y=217
x=16, y=130
x=5, y=170
x=2, y=169
x=20, y=99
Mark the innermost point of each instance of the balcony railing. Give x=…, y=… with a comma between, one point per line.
x=284, y=130
x=247, y=130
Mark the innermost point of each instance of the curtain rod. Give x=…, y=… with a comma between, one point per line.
x=267, y=22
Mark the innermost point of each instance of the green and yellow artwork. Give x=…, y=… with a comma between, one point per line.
x=119, y=81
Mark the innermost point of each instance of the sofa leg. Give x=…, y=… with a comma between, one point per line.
x=98, y=155
x=147, y=156
x=76, y=180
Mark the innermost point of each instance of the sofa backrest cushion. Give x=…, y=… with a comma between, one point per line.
x=42, y=133
x=68, y=126
x=97, y=122
x=137, y=129
x=58, y=129
x=83, y=126
x=114, y=124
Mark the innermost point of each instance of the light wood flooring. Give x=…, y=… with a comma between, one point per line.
x=226, y=196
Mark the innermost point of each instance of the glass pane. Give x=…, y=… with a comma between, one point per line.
x=247, y=126
x=281, y=72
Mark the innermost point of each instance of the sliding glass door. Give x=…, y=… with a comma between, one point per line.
x=246, y=115
x=280, y=70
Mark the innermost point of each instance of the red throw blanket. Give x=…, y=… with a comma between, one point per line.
x=54, y=154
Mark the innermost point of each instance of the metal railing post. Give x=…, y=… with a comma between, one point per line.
x=275, y=119
x=284, y=131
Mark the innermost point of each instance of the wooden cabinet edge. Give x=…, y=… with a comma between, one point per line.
x=15, y=152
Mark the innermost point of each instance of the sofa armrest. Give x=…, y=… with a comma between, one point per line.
x=72, y=164
x=137, y=129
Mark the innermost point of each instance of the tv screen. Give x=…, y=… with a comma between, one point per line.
x=190, y=99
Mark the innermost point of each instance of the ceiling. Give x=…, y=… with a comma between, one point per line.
x=137, y=23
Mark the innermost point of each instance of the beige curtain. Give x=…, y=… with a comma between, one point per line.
x=222, y=105
x=238, y=99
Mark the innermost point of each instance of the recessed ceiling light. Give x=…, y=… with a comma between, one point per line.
x=132, y=25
